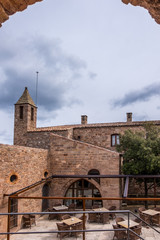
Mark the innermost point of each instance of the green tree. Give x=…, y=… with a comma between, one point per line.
x=141, y=153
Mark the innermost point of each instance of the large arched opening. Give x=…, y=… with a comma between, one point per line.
x=83, y=188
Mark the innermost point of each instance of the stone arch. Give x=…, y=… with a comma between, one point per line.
x=82, y=188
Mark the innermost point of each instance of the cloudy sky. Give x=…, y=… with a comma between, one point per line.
x=99, y=58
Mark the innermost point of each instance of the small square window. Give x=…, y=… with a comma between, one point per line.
x=115, y=140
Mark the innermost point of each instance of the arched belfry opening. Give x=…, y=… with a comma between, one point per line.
x=83, y=188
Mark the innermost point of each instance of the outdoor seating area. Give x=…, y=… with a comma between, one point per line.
x=93, y=220
x=150, y=216
x=76, y=223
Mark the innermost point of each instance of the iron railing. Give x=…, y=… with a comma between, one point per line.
x=84, y=229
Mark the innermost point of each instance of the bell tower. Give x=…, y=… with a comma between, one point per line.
x=25, y=118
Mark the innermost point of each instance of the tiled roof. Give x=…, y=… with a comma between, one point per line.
x=26, y=98
x=116, y=124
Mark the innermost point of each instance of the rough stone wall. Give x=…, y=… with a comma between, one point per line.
x=153, y=7
x=101, y=136
x=73, y=157
x=42, y=139
x=28, y=165
x=9, y=7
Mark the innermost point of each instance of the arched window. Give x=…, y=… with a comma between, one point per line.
x=83, y=188
x=94, y=172
x=114, y=140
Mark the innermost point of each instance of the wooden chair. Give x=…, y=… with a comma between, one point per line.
x=145, y=218
x=85, y=218
x=112, y=215
x=104, y=218
x=137, y=220
x=141, y=209
x=155, y=220
x=81, y=217
x=157, y=208
x=63, y=227
x=26, y=221
x=119, y=234
x=78, y=226
x=95, y=206
x=72, y=207
x=66, y=216
x=57, y=204
x=137, y=230
x=52, y=216
x=33, y=219
x=92, y=217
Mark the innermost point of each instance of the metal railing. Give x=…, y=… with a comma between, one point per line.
x=84, y=230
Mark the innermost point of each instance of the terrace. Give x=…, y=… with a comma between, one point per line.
x=46, y=228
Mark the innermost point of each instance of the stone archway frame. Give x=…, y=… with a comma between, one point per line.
x=9, y=7
x=71, y=181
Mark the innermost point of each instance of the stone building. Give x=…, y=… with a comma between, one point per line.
x=82, y=149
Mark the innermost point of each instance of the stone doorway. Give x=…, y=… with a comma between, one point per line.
x=45, y=193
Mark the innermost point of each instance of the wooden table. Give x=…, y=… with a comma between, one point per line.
x=100, y=209
x=151, y=212
x=60, y=208
x=154, y=216
x=71, y=221
x=125, y=224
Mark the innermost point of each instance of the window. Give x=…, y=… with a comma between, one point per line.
x=94, y=172
x=21, y=112
x=114, y=140
x=32, y=113
x=14, y=209
x=45, y=174
x=13, y=178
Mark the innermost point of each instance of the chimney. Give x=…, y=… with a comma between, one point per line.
x=129, y=117
x=84, y=119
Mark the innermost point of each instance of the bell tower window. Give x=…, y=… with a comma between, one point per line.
x=21, y=112
x=32, y=113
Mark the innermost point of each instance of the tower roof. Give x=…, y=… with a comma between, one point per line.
x=26, y=98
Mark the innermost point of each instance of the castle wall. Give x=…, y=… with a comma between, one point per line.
x=73, y=157
x=29, y=165
x=101, y=136
x=41, y=139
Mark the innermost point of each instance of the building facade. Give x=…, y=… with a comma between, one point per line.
x=82, y=149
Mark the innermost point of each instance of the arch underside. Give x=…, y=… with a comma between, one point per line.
x=9, y=7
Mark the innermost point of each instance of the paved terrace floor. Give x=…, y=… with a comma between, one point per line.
x=43, y=224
